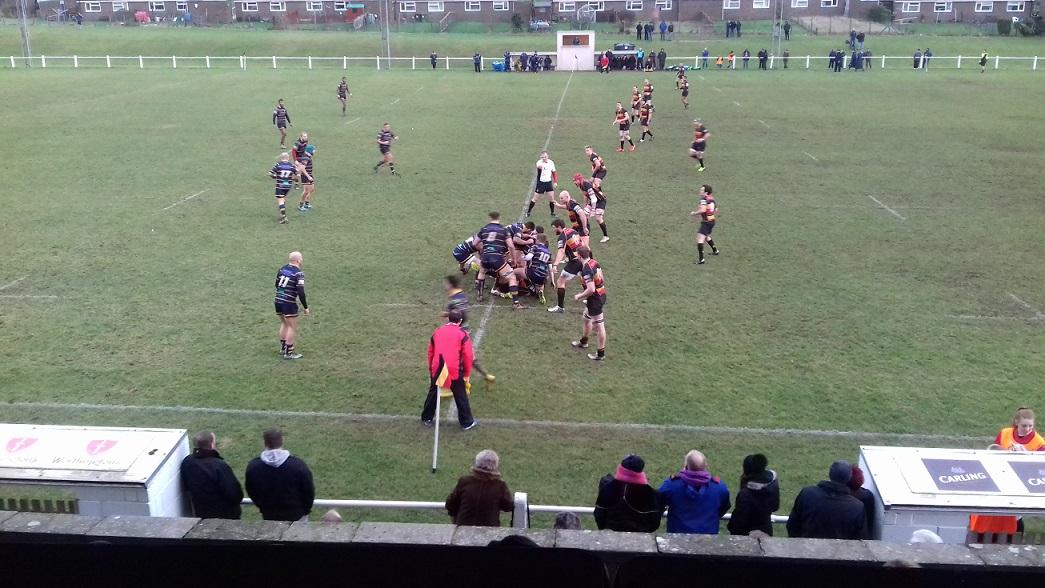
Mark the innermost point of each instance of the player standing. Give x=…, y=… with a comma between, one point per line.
x=308, y=181
x=385, y=137
x=700, y=139
x=645, y=120
x=707, y=211
x=283, y=172
x=578, y=214
x=281, y=118
x=647, y=92
x=598, y=166
x=497, y=247
x=684, y=86
x=594, y=297
x=547, y=182
x=596, y=203
x=290, y=287
x=297, y=152
x=623, y=127
x=569, y=241
x=342, y=95
x=636, y=100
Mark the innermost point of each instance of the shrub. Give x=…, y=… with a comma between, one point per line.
x=625, y=21
x=880, y=14
x=517, y=22
x=1004, y=26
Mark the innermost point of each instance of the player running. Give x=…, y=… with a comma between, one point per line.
x=679, y=77
x=645, y=120
x=596, y=203
x=280, y=119
x=636, y=100
x=290, y=287
x=569, y=241
x=700, y=142
x=707, y=211
x=578, y=214
x=497, y=248
x=598, y=166
x=547, y=182
x=464, y=252
x=342, y=95
x=594, y=297
x=308, y=181
x=647, y=92
x=385, y=138
x=684, y=86
x=623, y=123
x=283, y=172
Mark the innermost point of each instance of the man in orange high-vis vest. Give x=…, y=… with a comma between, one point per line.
x=1021, y=436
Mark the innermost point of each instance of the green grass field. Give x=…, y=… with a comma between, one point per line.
x=826, y=311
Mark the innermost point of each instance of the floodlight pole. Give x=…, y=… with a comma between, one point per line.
x=387, y=34
x=23, y=25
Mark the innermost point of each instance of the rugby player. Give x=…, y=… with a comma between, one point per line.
x=536, y=272
x=465, y=251
x=623, y=127
x=598, y=166
x=645, y=120
x=290, y=287
x=707, y=211
x=342, y=95
x=297, y=152
x=281, y=118
x=578, y=214
x=596, y=202
x=636, y=100
x=680, y=77
x=547, y=182
x=522, y=238
x=700, y=139
x=569, y=241
x=308, y=181
x=497, y=248
x=594, y=297
x=647, y=92
x=385, y=137
x=684, y=86
x=283, y=172
x=457, y=300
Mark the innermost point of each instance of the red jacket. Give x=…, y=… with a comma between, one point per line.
x=450, y=346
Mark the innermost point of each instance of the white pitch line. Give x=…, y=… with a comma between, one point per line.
x=6, y=286
x=524, y=424
x=763, y=123
x=27, y=296
x=396, y=101
x=980, y=317
x=356, y=119
x=811, y=156
x=717, y=89
x=1037, y=313
x=186, y=199
x=894, y=213
x=737, y=103
x=418, y=91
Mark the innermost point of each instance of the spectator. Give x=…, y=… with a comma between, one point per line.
x=508, y=60
x=648, y=30
x=662, y=58
x=640, y=55
x=524, y=60
x=828, y=510
x=729, y=28
x=696, y=500
x=213, y=489
x=831, y=59
x=731, y=61
x=279, y=483
x=626, y=501
x=860, y=40
x=926, y=56
x=704, y=58
x=480, y=497
x=651, y=62
x=535, y=62
x=450, y=359
x=786, y=56
x=763, y=58
x=638, y=32
x=671, y=32
x=604, y=64
x=746, y=57
x=477, y=61
x=547, y=63
x=856, y=485
x=852, y=39
x=839, y=60
x=663, y=31
x=917, y=58
x=718, y=62
x=787, y=30
x=867, y=59
x=738, y=29
x=757, y=498
x=433, y=57
x=567, y=521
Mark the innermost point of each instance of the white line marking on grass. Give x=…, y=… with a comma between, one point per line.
x=412, y=419
x=763, y=123
x=811, y=156
x=396, y=101
x=418, y=91
x=27, y=296
x=701, y=77
x=403, y=304
x=356, y=119
x=186, y=199
x=1037, y=313
x=717, y=89
x=894, y=213
x=737, y=103
x=980, y=317
x=6, y=286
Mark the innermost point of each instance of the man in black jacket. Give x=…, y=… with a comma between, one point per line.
x=280, y=484
x=626, y=501
x=828, y=510
x=213, y=488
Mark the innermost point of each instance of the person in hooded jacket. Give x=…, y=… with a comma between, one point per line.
x=696, y=500
x=757, y=499
x=213, y=488
x=856, y=484
x=279, y=483
x=828, y=510
x=626, y=501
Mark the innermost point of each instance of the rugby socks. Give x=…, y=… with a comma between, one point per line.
x=514, y=291
x=603, y=227
x=714, y=250
x=700, y=252
x=529, y=209
x=480, y=285
x=282, y=345
x=283, y=211
x=601, y=352
x=379, y=164
x=700, y=160
x=622, y=145
x=289, y=350
x=561, y=294
x=630, y=142
x=392, y=167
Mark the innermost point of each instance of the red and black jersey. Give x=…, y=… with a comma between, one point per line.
x=574, y=209
x=569, y=241
x=700, y=134
x=635, y=99
x=647, y=91
x=710, y=208
x=592, y=193
x=591, y=273
x=596, y=162
x=623, y=120
x=644, y=112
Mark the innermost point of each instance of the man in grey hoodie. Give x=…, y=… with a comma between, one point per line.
x=280, y=484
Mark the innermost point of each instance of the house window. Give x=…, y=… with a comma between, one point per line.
x=156, y=6
x=435, y=7
x=473, y=6
x=248, y=6
x=731, y=4
x=567, y=6
x=501, y=6
x=760, y=4
x=663, y=4
x=942, y=7
x=1015, y=7
x=799, y=3
x=984, y=7
x=280, y=6
x=408, y=7
x=314, y=6
x=117, y=6
x=828, y=3
x=598, y=6
x=181, y=6
x=92, y=6
x=911, y=7
x=633, y=5
x=340, y=6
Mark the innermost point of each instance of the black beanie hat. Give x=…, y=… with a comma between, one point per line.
x=755, y=464
x=633, y=463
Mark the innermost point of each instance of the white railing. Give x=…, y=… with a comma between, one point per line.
x=343, y=62
x=520, y=514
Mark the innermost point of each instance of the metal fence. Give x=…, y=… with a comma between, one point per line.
x=379, y=63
